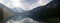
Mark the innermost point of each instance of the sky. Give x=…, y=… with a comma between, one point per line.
x=25, y=4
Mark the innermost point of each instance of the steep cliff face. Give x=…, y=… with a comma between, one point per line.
x=1, y=15
x=6, y=11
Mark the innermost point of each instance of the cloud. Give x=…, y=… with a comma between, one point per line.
x=44, y=2
x=27, y=4
x=30, y=2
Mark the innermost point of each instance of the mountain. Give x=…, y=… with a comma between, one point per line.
x=16, y=9
x=1, y=15
x=49, y=11
x=7, y=12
